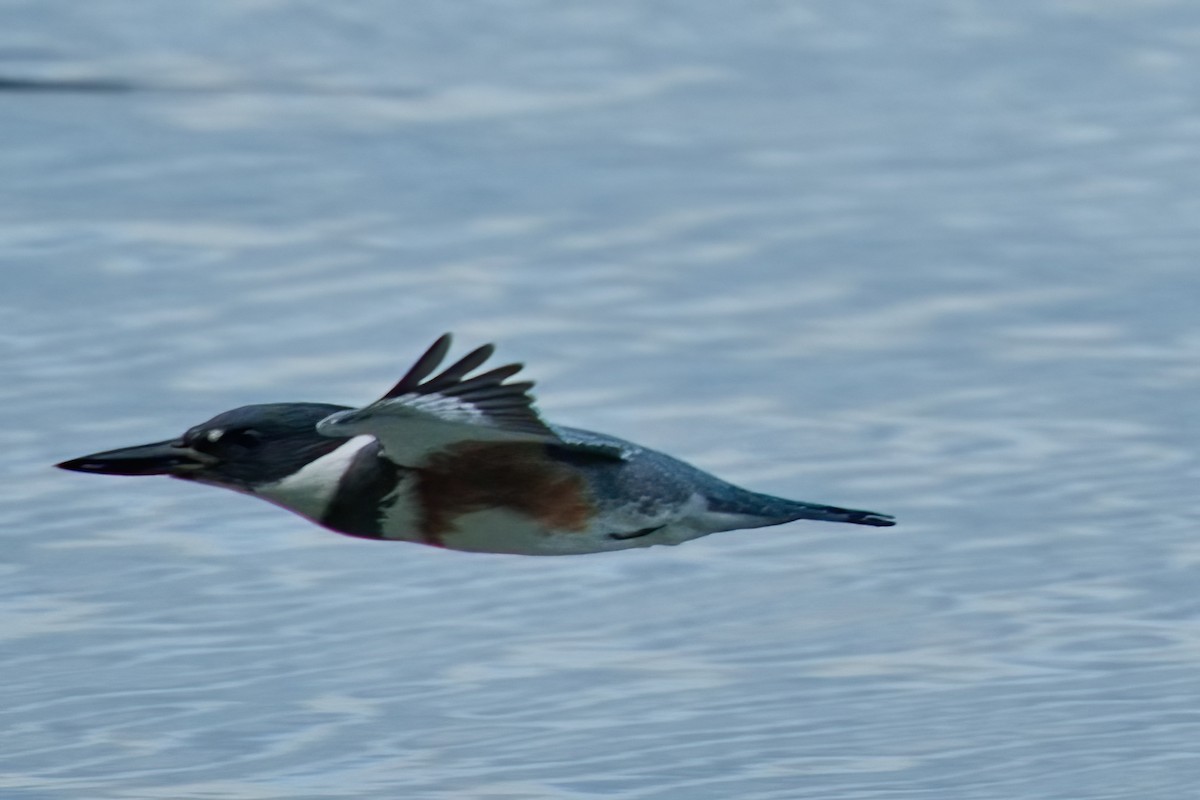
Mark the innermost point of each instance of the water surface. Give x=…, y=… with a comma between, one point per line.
x=936, y=260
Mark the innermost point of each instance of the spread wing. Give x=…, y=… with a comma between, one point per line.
x=421, y=415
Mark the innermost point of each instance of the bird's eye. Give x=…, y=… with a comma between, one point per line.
x=215, y=440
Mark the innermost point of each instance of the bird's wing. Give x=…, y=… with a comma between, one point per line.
x=422, y=415
x=595, y=444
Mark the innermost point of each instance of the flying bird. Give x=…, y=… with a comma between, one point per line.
x=459, y=459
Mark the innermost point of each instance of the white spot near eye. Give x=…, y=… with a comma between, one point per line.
x=214, y=435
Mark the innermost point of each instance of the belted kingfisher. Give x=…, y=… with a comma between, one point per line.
x=459, y=461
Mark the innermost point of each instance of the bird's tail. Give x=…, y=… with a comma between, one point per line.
x=835, y=514
x=771, y=510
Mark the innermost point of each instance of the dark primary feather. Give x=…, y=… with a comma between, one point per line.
x=426, y=364
x=454, y=373
x=484, y=380
x=506, y=405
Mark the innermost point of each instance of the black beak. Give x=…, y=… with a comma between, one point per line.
x=160, y=458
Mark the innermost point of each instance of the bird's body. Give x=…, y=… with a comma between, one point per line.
x=463, y=463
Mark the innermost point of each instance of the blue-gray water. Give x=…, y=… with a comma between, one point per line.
x=936, y=259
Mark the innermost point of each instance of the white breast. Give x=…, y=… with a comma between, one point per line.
x=502, y=531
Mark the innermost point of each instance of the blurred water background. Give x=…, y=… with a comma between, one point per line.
x=936, y=259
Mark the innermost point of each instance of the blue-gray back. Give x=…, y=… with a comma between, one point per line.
x=622, y=472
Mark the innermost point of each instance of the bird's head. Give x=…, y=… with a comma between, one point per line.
x=240, y=449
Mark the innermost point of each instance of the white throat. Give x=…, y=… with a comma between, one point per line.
x=310, y=490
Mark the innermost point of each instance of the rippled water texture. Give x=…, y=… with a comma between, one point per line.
x=935, y=259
